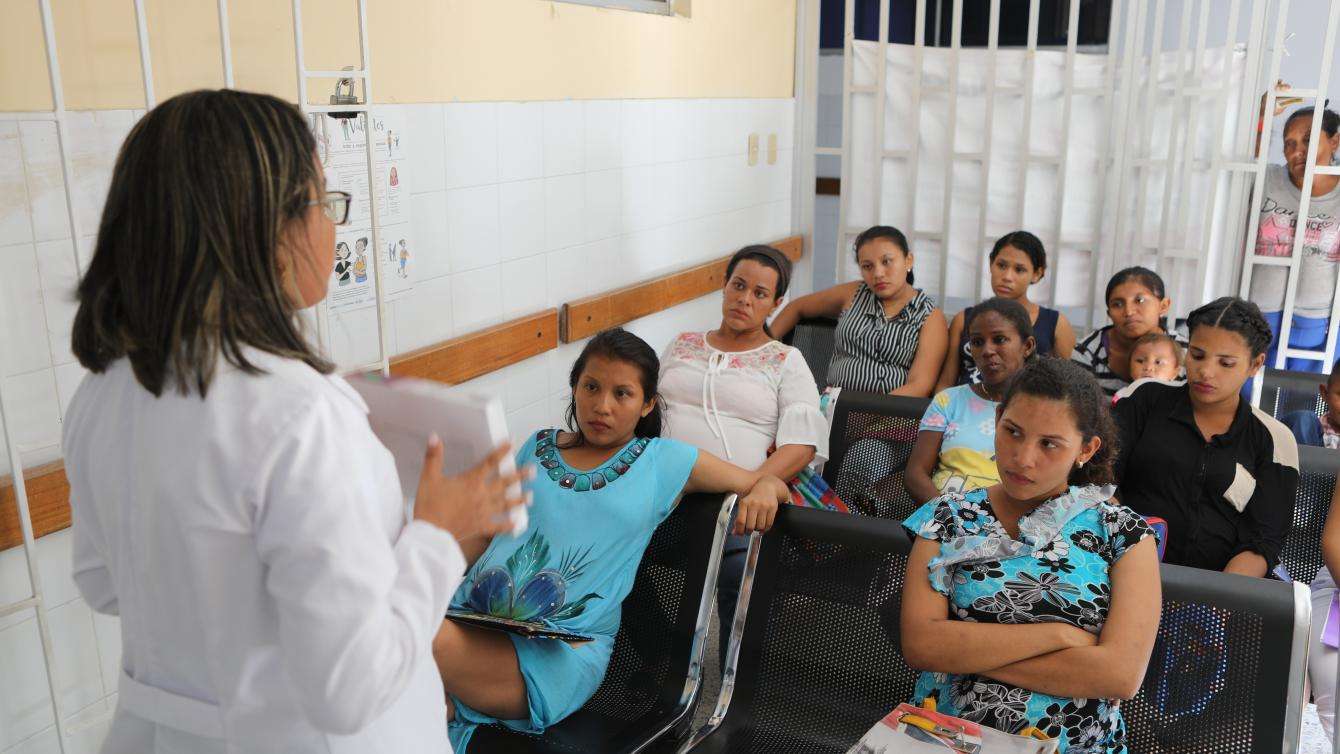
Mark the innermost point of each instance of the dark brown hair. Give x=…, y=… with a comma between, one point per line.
x=767, y=256
x=617, y=344
x=1156, y=337
x=1064, y=380
x=186, y=265
x=1009, y=310
x=771, y=258
x=1330, y=119
x=1235, y=315
x=1026, y=242
x=889, y=233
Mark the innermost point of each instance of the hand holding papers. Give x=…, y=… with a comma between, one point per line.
x=405, y=413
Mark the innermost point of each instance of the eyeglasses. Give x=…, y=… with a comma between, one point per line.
x=336, y=205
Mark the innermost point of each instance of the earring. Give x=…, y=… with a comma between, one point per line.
x=1079, y=465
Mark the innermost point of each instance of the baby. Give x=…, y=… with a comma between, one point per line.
x=1156, y=355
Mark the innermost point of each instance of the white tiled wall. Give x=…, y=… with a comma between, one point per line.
x=36, y=256
x=528, y=205
x=516, y=207
x=86, y=647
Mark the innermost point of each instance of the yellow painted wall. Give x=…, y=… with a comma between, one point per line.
x=422, y=50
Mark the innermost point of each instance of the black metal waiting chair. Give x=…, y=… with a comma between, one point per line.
x=1285, y=392
x=1317, y=469
x=814, y=658
x=868, y=448
x=1228, y=667
x=814, y=338
x=815, y=655
x=651, y=686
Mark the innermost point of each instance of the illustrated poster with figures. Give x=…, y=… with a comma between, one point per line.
x=341, y=146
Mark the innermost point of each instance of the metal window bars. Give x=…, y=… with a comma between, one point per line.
x=912, y=153
x=1162, y=191
x=1294, y=260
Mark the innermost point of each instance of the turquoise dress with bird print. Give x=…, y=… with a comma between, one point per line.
x=572, y=568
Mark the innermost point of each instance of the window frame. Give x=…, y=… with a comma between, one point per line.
x=655, y=7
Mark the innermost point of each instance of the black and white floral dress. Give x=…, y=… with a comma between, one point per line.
x=1056, y=571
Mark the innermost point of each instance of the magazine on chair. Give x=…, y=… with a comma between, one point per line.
x=913, y=730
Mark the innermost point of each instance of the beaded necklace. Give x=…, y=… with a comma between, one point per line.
x=546, y=450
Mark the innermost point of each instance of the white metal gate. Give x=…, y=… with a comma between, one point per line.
x=1256, y=168
x=1173, y=95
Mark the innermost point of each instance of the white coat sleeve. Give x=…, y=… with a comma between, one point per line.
x=356, y=613
x=89, y=568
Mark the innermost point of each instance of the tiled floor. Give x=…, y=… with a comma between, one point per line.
x=1314, y=738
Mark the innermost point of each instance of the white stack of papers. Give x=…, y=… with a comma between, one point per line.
x=404, y=412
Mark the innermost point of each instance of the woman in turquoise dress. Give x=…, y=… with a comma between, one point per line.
x=1034, y=603
x=603, y=487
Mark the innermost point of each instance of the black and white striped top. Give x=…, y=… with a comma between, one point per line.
x=1092, y=354
x=872, y=352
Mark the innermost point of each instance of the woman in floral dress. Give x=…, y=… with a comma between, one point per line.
x=1034, y=603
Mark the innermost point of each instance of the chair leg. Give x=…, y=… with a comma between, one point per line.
x=732, y=647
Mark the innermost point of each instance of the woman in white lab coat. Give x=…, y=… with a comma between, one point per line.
x=230, y=501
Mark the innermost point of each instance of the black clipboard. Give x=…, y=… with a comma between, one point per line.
x=520, y=627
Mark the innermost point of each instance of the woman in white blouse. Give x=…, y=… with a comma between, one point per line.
x=230, y=501
x=740, y=394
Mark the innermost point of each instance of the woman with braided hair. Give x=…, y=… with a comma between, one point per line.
x=1218, y=470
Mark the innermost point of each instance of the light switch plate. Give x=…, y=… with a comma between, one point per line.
x=753, y=150
x=772, y=149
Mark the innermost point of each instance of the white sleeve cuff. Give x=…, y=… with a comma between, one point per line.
x=802, y=424
x=434, y=555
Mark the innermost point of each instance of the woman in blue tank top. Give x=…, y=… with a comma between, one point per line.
x=1018, y=260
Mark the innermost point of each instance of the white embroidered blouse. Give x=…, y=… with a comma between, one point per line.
x=739, y=405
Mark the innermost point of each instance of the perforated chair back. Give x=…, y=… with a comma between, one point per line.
x=1285, y=392
x=1317, y=468
x=651, y=685
x=1226, y=675
x=868, y=448
x=820, y=658
x=814, y=338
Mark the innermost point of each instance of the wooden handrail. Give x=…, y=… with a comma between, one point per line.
x=587, y=316
x=48, y=503
x=453, y=361
x=478, y=353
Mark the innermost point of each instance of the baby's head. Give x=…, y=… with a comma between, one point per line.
x=1156, y=355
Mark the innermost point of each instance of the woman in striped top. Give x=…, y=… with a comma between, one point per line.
x=1137, y=304
x=890, y=338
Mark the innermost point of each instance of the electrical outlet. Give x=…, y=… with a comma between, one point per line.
x=772, y=149
x=753, y=150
